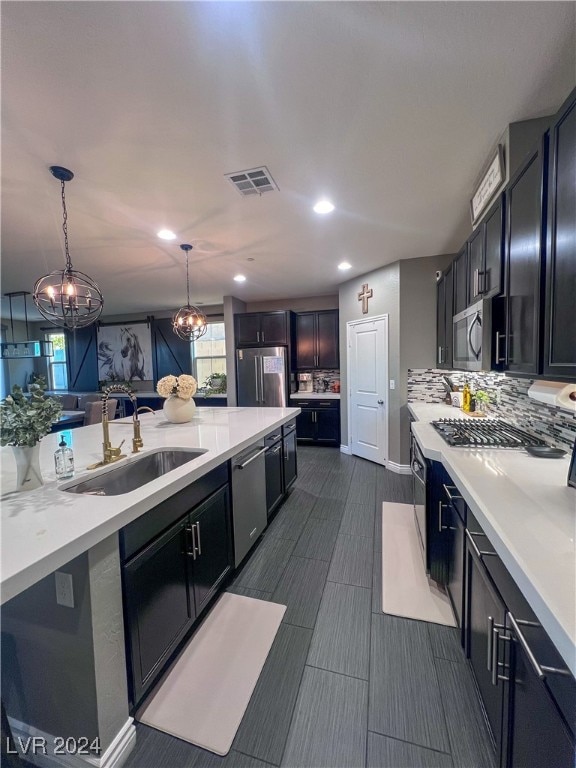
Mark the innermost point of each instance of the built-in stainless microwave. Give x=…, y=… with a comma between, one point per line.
x=471, y=337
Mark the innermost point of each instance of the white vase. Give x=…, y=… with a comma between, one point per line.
x=28, y=472
x=177, y=410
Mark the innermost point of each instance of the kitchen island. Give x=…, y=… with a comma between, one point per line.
x=64, y=668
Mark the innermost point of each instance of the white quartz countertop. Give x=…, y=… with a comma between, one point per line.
x=527, y=511
x=315, y=396
x=45, y=528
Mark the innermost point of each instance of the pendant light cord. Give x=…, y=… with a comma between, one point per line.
x=65, y=229
x=187, y=282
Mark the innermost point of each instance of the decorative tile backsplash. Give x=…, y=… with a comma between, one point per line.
x=323, y=380
x=509, y=400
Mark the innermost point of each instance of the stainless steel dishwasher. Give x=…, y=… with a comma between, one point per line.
x=248, y=499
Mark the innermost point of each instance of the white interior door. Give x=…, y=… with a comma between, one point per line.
x=367, y=378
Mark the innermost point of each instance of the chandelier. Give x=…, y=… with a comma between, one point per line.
x=67, y=298
x=189, y=323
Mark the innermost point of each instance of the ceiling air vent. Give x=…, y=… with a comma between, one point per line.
x=255, y=181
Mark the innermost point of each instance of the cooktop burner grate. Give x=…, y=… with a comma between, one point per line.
x=492, y=433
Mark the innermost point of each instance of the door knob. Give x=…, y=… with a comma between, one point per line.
x=380, y=402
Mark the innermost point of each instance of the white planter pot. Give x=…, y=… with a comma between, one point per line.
x=28, y=475
x=179, y=411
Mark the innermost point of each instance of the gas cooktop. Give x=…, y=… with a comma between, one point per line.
x=489, y=433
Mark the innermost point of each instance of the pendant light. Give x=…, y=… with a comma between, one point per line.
x=67, y=298
x=189, y=323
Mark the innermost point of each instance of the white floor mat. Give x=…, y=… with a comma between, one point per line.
x=203, y=698
x=406, y=590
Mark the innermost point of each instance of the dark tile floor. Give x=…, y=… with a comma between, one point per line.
x=344, y=684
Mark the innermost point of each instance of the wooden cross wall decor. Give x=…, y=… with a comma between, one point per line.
x=365, y=294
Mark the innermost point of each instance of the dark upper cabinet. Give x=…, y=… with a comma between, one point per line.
x=560, y=327
x=444, y=310
x=317, y=340
x=486, y=256
x=524, y=263
x=493, y=265
x=475, y=264
x=262, y=329
x=306, y=340
x=460, y=267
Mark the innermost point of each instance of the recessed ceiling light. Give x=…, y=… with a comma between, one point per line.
x=344, y=266
x=323, y=206
x=239, y=278
x=166, y=234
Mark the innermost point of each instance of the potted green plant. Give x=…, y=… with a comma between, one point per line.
x=215, y=384
x=23, y=423
x=482, y=400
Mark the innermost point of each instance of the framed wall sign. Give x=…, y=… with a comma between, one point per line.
x=488, y=185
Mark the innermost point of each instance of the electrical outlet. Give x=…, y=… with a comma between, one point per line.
x=392, y=384
x=64, y=589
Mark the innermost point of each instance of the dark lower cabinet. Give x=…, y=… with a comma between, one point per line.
x=485, y=611
x=274, y=475
x=318, y=422
x=158, y=605
x=455, y=570
x=289, y=456
x=537, y=735
x=209, y=546
x=529, y=695
x=170, y=582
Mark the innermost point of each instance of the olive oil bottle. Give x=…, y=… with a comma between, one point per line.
x=466, y=396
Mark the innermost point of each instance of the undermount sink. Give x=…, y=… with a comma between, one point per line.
x=135, y=473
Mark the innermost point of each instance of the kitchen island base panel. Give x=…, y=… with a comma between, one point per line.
x=64, y=669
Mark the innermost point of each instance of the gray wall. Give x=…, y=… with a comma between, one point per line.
x=385, y=283
x=305, y=304
x=232, y=306
x=417, y=328
x=406, y=292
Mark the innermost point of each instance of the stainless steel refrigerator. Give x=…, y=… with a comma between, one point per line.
x=262, y=376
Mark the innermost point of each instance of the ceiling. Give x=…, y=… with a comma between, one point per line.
x=388, y=109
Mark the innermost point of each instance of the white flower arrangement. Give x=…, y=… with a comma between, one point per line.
x=183, y=386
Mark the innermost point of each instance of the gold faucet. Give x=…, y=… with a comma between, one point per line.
x=111, y=454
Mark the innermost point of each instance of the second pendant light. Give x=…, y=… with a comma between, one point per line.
x=189, y=323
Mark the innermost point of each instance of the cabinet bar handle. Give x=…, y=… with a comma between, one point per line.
x=440, y=355
x=540, y=669
x=274, y=437
x=490, y=643
x=277, y=450
x=258, y=336
x=190, y=530
x=475, y=282
x=479, y=553
x=199, y=543
x=251, y=459
x=447, y=492
x=499, y=337
x=440, y=526
x=262, y=337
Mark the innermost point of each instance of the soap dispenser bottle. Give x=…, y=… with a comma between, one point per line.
x=64, y=461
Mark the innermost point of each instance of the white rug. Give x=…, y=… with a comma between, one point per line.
x=406, y=590
x=204, y=696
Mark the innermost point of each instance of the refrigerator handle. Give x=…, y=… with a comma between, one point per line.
x=262, y=400
x=257, y=378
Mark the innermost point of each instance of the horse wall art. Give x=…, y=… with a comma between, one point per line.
x=124, y=353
